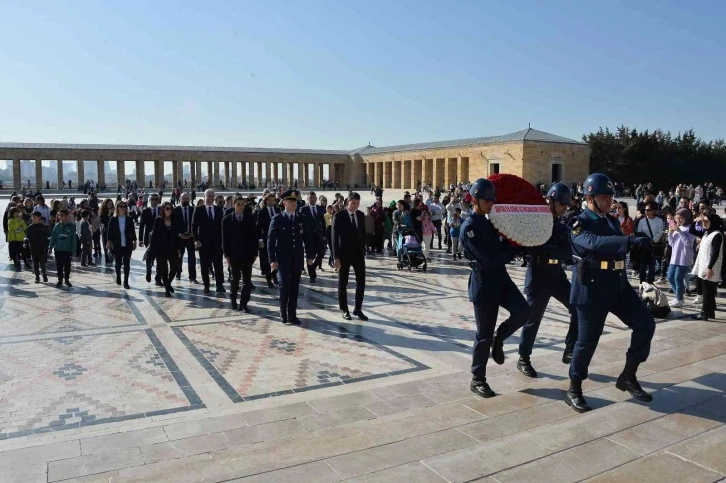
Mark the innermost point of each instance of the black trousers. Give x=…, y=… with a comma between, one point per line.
x=122, y=256
x=538, y=300
x=359, y=266
x=437, y=225
x=97, y=241
x=709, y=298
x=167, y=267
x=211, y=259
x=288, y=278
x=243, y=270
x=63, y=264
x=188, y=246
x=485, y=315
x=319, y=254
x=86, y=251
x=39, y=260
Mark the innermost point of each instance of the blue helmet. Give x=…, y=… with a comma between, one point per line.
x=483, y=189
x=598, y=184
x=560, y=192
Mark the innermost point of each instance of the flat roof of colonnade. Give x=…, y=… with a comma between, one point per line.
x=528, y=134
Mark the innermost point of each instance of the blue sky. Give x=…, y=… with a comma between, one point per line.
x=338, y=75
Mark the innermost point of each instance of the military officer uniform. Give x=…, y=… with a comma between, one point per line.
x=600, y=285
x=287, y=244
x=489, y=288
x=265, y=215
x=545, y=278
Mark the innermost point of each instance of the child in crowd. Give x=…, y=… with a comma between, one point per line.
x=37, y=240
x=64, y=240
x=86, y=240
x=16, y=235
x=454, y=231
x=428, y=229
x=370, y=229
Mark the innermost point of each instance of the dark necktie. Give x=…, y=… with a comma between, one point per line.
x=271, y=212
x=211, y=217
x=186, y=221
x=353, y=220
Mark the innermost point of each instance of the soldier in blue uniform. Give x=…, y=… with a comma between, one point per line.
x=489, y=285
x=287, y=244
x=546, y=278
x=600, y=285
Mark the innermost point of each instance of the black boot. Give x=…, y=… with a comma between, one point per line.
x=628, y=382
x=574, y=398
x=481, y=388
x=233, y=300
x=118, y=279
x=498, y=349
x=525, y=367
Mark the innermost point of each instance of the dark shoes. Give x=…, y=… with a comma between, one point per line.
x=703, y=316
x=148, y=276
x=245, y=309
x=360, y=315
x=37, y=279
x=220, y=290
x=206, y=289
x=575, y=399
x=269, y=284
x=193, y=280
x=295, y=321
x=498, y=349
x=159, y=283
x=126, y=285
x=59, y=284
x=68, y=283
x=525, y=367
x=45, y=277
x=233, y=300
x=628, y=382
x=346, y=315
x=118, y=279
x=481, y=388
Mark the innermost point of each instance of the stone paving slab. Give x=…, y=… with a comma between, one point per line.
x=184, y=389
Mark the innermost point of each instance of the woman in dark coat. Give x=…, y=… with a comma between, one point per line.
x=121, y=241
x=165, y=245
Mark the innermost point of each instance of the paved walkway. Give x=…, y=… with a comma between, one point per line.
x=103, y=384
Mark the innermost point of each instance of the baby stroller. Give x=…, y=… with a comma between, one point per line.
x=408, y=248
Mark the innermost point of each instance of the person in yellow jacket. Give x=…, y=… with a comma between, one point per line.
x=16, y=235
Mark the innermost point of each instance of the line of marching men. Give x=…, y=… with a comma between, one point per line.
x=288, y=241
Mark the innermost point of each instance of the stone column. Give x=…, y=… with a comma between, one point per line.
x=316, y=174
x=450, y=172
x=427, y=176
x=81, y=170
x=140, y=174
x=17, y=182
x=397, y=175
x=101, y=163
x=61, y=181
x=416, y=171
x=158, y=172
x=299, y=175
x=376, y=175
x=462, y=170
x=386, y=174
x=235, y=179
x=39, y=175
x=270, y=172
x=438, y=175
x=121, y=173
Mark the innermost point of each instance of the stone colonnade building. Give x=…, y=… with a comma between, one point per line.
x=534, y=155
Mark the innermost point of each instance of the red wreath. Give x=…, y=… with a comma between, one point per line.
x=511, y=189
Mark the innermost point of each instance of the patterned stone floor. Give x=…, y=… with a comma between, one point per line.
x=98, y=383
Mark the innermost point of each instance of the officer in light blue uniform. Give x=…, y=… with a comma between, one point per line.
x=600, y=285
x=489, y=285
x=287, y=244
x=546, y=278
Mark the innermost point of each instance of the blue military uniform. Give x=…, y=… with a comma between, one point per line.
x=545, y=278
x=600, y=285
x=489, y=288
x=287, y=244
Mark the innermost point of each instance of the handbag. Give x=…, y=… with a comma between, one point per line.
x=657, y=250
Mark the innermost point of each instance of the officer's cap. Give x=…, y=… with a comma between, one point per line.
x=289, y=195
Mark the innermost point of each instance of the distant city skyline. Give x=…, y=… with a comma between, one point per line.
x=331, y=75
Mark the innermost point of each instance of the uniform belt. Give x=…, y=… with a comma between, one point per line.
x=602, y=265
x=541, y=260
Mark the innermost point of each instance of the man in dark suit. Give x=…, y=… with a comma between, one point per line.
x=183, y=216
x=315, y=224
x=264, y=217
x=349, y=250
x=122, y=241
x=287, y=244
x=146, y=225
x=207, y=233
x=239, y=243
